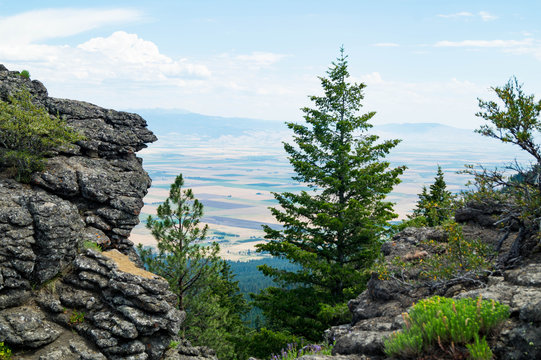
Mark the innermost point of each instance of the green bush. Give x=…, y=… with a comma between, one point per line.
x=25, y=74
x=444, y=323
x=262, y=344
x=458, y=258
x=5, y=352
x=28, y=134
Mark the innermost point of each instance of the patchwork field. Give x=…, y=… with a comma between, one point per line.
x=234, y=171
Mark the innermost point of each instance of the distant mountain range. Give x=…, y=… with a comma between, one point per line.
x=414, y=135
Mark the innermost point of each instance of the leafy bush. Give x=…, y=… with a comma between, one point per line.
x=28, y=134
x=75, y=317
x=25, y=74
x=444, y=323
x=5, y=352
x=262, y=344
x=458, y=258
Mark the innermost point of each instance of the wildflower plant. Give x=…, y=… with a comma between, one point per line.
x=445, y=323
x=294, y=351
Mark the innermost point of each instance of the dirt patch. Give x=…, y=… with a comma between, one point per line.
x=126, y=265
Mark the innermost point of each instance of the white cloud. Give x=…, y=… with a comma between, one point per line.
x=484, y=43
x=121, y=56
x=456, y=15
x=142, y=58
x=261, y=58
x=485, y=16
x=386, y=44
x=33, y=26
x=520, y=47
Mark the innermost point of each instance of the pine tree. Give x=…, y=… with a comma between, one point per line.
x=333, y=231
x=180, y=258
x=214, y=315
x=203, y=282
x=434, y=206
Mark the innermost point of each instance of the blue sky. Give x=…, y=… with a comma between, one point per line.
x=423, y=61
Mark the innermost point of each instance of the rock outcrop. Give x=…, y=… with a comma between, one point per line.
x=57, y=299
x=377, y=311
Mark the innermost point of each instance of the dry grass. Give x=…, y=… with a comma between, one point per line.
x=126, y=265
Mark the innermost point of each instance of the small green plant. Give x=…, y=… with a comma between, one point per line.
x=25, y=74
x=479, y=349
x=5, y=352
x=92, y=245
x=444, y=323
x=28, y=134
x=173, y=344
x=75, y=317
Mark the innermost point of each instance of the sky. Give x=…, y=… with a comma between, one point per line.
x=422, y=61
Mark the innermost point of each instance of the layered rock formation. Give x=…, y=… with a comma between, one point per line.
x=377, y=311
x=57, y=299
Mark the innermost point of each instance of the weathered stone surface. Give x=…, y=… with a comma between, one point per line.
x=27, y=327
x=529, y=275
x=88, y=307
x=377, y=311
x=361, y=342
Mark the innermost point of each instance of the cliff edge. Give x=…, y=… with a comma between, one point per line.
x=59, y=300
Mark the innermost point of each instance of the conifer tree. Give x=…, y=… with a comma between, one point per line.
x=333, y=231
x=180, y=258
x=203, y=282
x=434, y=205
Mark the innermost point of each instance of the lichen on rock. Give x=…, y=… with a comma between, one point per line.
x=57, y=299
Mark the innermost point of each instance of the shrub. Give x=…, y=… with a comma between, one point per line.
x=75, y=317
x=25, y=74
x=444, y=323
x=459, y=258
x=5, y=352
x=28, y=134
x=262, y=344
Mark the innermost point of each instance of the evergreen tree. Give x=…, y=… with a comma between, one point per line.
x=434, y=206
x=214, y=315
x=333, y=231
x=203, y=282
x=180, y=258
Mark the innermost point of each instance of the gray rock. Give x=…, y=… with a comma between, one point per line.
x=27, y=327
x=361, y=342
x=92, y=192
x=529, y=275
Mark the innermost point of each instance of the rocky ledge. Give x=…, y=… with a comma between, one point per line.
x=57, y=299
x=377, y=311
